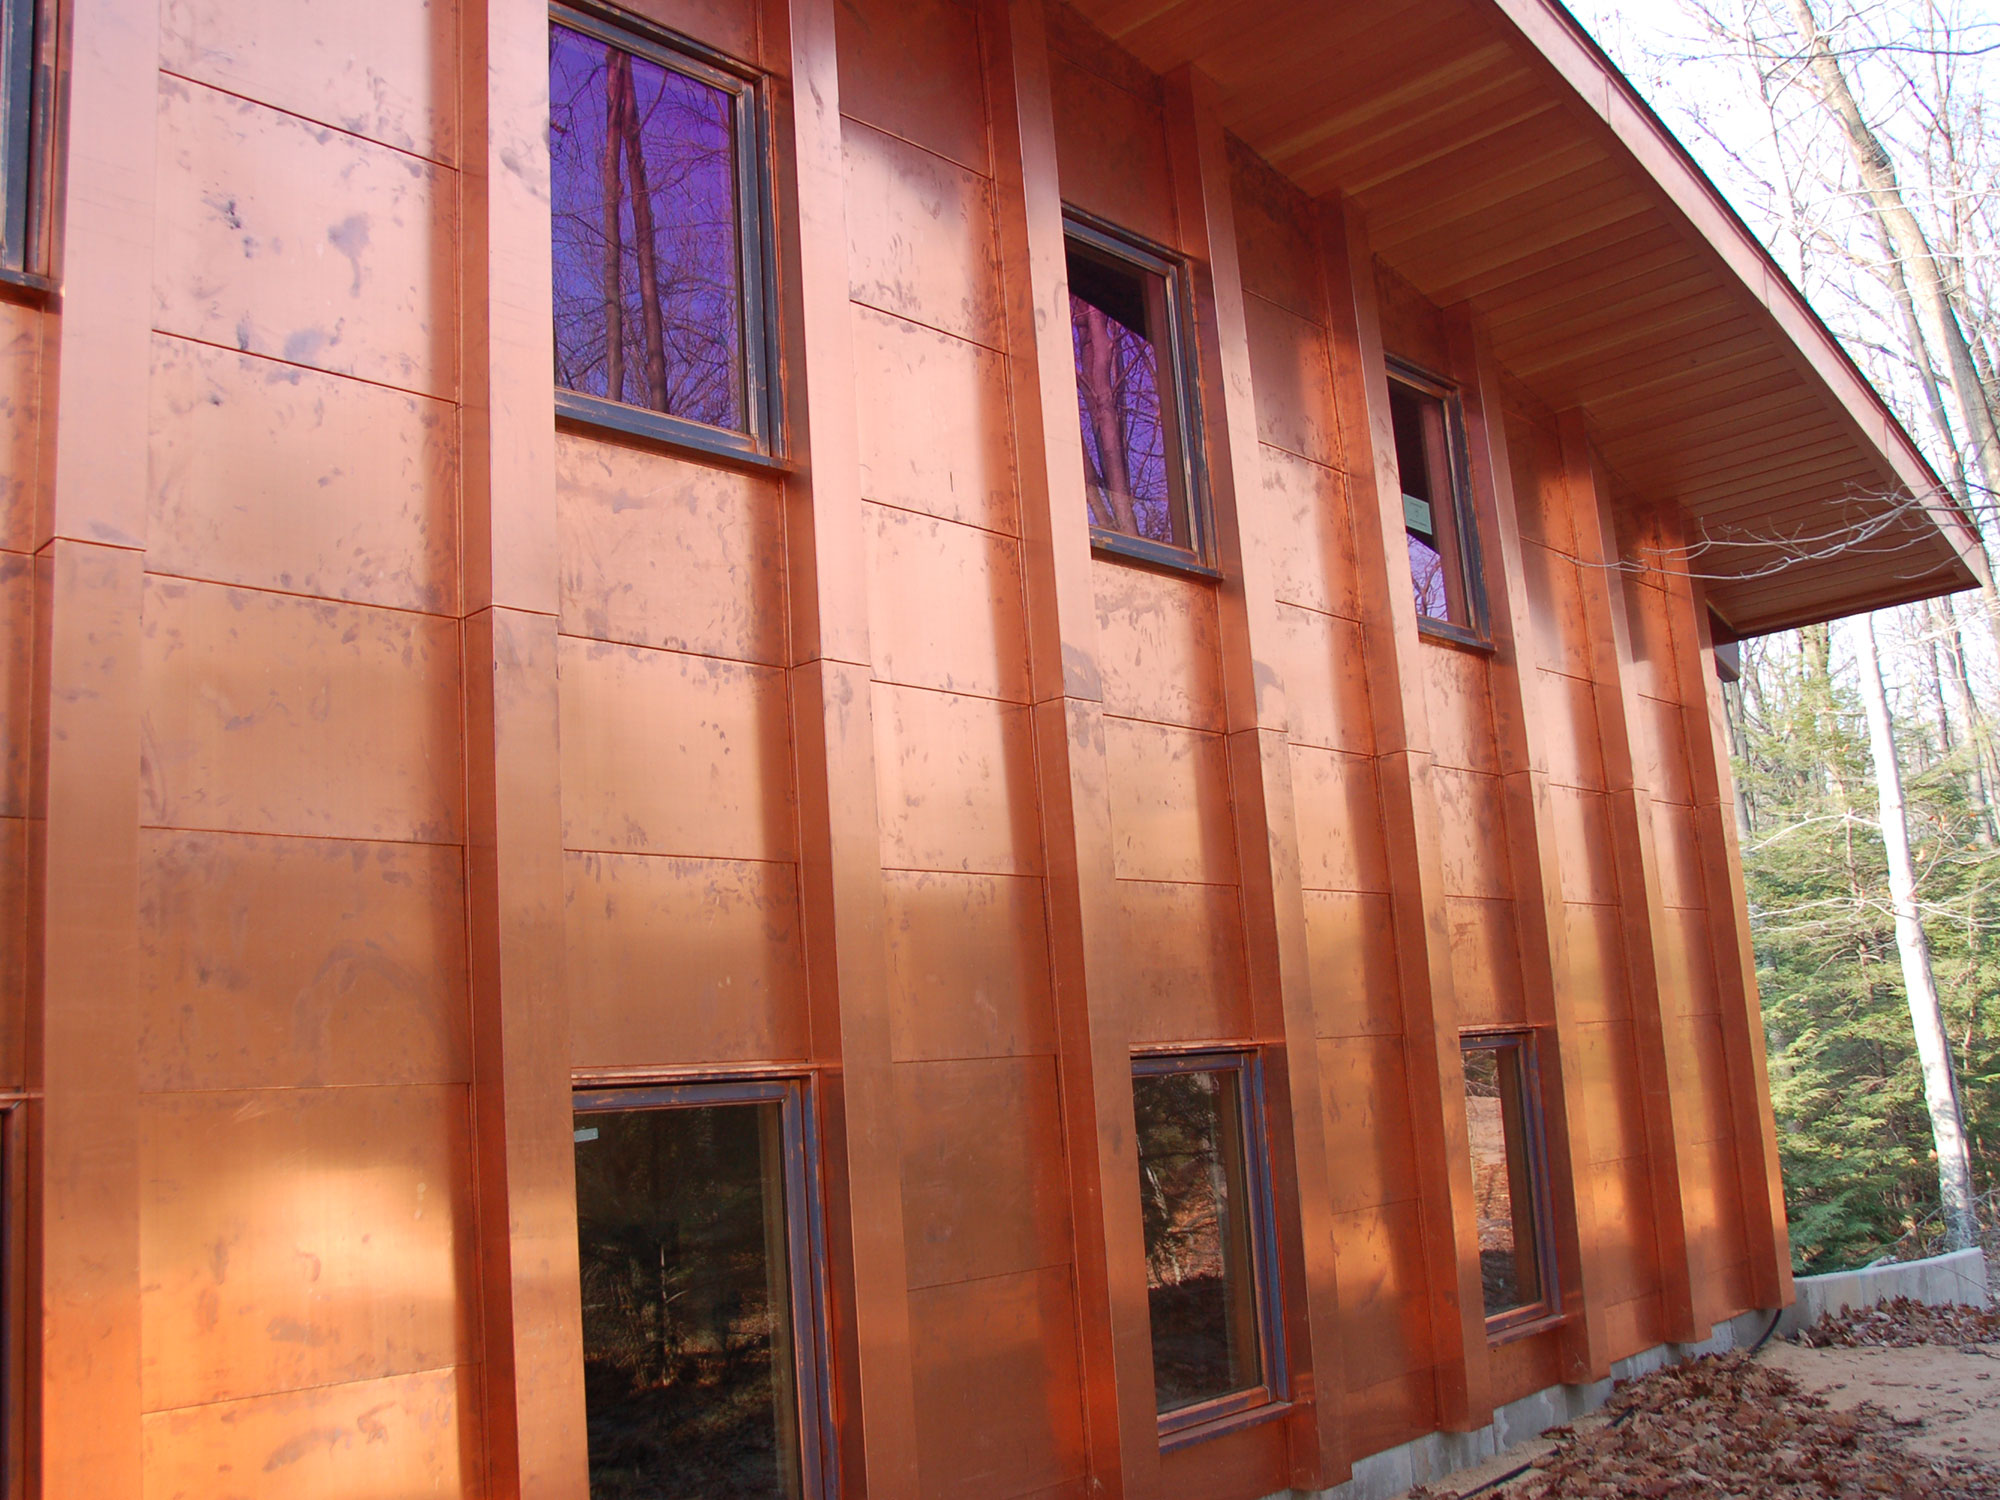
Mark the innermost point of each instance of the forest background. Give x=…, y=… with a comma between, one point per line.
x=1819, y=160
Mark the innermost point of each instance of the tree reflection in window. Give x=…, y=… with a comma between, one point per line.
x=1432, y=512
x=1196, y=1207
x=1128, y=398
x=1505, y=1166
x=648, y=249
x=689, y=1373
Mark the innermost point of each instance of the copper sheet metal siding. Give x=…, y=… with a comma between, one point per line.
x=377, y=761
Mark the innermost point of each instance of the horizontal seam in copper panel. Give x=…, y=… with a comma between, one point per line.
x=950, y=333
x=303, y=1088
x=327, y=838
x=279, y=109
x=984, y=174
x=734, y=661
x=1036, y=1269
x=1290, y=312
x=927, y=515
x=945, y=692
x=1324, y=614
x=714, y=859
x=1218, y=734
x=260, y=588
x=300, y=1390
x=402, y=390
x=900, y=1062
x=1209, y=885
x=889, y=869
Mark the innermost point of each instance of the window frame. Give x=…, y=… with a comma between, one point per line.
x=1546, y=1309
x=1203, y=1419
x=1109, y=242
x=1461, y=515
x=805, y=1235
x=762, y=443
x=25, y=82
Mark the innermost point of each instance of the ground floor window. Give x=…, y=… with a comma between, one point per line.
x=1205, y=1202
x=702, y=1369
x=1509, y=1183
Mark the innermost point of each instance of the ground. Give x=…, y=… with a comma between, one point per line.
x=1902, y=1400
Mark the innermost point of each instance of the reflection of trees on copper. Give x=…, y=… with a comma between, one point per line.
x=648, y=266
x=688, y=1360
x=1195, y=1205
x=1125, y=395
x=1502, y=1185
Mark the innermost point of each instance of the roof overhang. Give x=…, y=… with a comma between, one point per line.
x=1502, y=161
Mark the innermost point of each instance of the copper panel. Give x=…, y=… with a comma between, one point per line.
x=1486, y=971
x=1583, y=835
x=956, y=783
x=1653, y=672
x=1557, y=637
x=1351, y=943
x=999, y=1400
x=944, y=605
x=301, y=1237
x=1293, y=382
x=658, y=551
x=1684, y=951
x=1303, y=510
x=680, y=961
x=1701, y=1078
x=271, y=476
x=1540, y=496
x=1632, y=1326
x=17, y=641
x=1276, y=256
x=1627, y=1263
x=920, y=235
x=1660, y=761
x=1111, y=149
x=1187, y=975
x=968, y=966
x=670, y=754
x=1614, y=1087
x=1472, y=834
x=20, y=422
x=1679, y=857
x=391, y=1439
x=1340, y=822
x=14, y=889
x=387, y=77
x=1525, y=1365
x=1595, y=977
x=1325, y=671
x=266, y=713
x=271, y=962
x=984, y=1187
x=1412, y=326
x=1159, y=646
x=1246, y=1464
x=934, y=423
x=1569, y=738
x=1390, y=1412
x=1458, y=690
x=1384, y=1303
x=1370, y=1146
x=912, y=68
x=1170, y=811
x=277, y=237
x=1715, y=1215
x=729, y=26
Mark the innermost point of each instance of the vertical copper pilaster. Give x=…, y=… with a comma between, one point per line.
x=1534, y=854
x=833, y=729
x=1641, y=904
x=83, y=1391
x=1261, y=785
x=1410, y=824
x=531, y=1322
x=1074, y=780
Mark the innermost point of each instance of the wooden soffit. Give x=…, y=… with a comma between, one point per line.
x=1501, y=160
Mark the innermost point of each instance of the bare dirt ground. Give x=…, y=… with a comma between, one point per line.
x=1903, y=1400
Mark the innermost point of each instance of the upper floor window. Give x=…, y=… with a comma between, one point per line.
x=20, y=137
x=1437, y=519
x=702, y=1367
x=1503, y=1117
x=1135, y=396
x=1204, y=1193
x=662, y=311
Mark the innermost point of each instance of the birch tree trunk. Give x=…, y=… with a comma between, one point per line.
x=1926, y=1014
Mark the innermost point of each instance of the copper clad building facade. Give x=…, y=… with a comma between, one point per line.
x=937, y=748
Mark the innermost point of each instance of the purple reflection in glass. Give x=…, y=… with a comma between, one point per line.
x=1126, y=399
x=648, y=264
x=1427, y=578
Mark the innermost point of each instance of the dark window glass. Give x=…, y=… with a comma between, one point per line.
x=645, y=182
x=1432, y=508
x=1506, y=1165
x=1195, y=1198
x=1130, y=396
x=18, y=134
x=690, y=1383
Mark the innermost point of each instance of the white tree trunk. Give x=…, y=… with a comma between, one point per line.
x=1926, y=1014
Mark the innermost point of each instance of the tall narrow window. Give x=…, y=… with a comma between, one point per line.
x=1436, y=524
x=1205, y=1204
x=1509, y=1189
x=20, y=136
x=1134, y=398
x=657, y=204
x=700, y=1326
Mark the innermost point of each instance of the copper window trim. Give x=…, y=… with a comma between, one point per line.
x=1475, y=630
